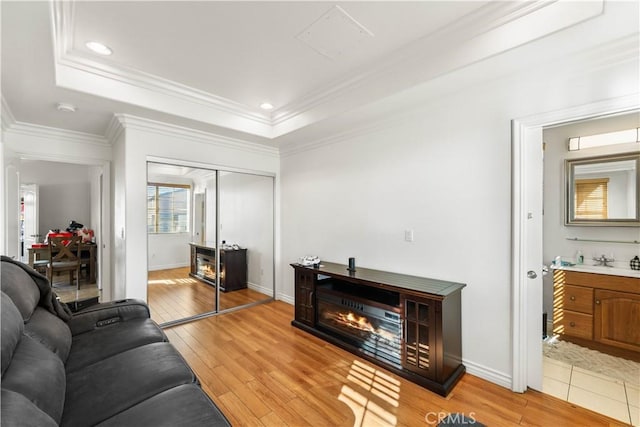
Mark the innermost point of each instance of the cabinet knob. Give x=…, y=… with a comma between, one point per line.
x=572, y=298
x=572, y=324
x=598, y=301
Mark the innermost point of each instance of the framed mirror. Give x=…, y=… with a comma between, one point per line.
x=603, y=191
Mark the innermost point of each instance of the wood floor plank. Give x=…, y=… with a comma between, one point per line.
x=279, y=375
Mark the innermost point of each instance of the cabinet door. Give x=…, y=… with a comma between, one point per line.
x=305, y=287
x=418, y=341
x=617, y=319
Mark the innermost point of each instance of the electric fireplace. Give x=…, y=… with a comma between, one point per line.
x=407, y=324
x=206, y=267
x=374, y=327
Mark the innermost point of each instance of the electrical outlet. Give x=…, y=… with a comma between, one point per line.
x=408, y=235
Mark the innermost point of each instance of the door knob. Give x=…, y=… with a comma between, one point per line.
x=531, y=274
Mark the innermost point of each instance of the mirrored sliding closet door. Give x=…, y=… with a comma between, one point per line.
x=210, y=241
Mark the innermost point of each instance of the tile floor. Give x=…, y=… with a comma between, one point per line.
x=612, y=397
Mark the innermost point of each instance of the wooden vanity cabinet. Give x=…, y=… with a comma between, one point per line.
x=617, y=319
x=577, y=317
x=598, y=311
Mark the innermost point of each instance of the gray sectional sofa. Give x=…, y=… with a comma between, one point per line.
x=106, y=365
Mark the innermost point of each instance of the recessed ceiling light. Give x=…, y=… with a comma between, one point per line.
x=66, y=108
x=99, y=48
x=266, y=106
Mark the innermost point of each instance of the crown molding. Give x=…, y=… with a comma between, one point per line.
x=63, y=15
x=127, y=121
x=487, y=32
x=610, y=54
x=433, y=55
x=7, y=116
x=491, y=15
x=114, y=129
x=57, y=134
x=77, y=71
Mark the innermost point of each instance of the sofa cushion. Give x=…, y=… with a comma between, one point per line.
x=50, y=331
x=106, y=341
x=37, y=374
x=21, y=289
x=15, y=281
x=12, y=328
x=112, y=385
x=17, y=410
x=185, y=405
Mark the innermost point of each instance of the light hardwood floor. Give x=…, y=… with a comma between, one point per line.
x=173, y=295
x=261, y=371
x=68, y=292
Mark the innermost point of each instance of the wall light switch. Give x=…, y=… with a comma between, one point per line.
x=408, y=235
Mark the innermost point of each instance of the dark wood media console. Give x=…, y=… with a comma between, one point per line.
x=233, y=266
x=409, y=325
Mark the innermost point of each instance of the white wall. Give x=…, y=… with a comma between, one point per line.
x=119, y=186
x=555, y=231
x=168, y=250
x=444, y=171
x=246, y=219
x=210, y=212
x=65, y=193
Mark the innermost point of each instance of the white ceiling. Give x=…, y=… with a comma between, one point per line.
x=208, y=65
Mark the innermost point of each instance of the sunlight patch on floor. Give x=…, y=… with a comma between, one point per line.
x=368, y=381
x=186, y=281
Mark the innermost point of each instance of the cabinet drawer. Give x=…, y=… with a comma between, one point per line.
x=577, y=298
x=576, y=325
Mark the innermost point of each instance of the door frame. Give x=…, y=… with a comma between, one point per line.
x=27, y=241
x=103, y=167
x=528, y=370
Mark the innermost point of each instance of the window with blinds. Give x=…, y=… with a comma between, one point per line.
x=168, y=208
x=591, y=198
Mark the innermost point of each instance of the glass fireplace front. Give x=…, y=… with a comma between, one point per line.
x=373, y=327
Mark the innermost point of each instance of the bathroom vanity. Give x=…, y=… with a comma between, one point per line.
x=598, y=308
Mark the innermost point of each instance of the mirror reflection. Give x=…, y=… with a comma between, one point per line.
x=603, y=190
x=184, y=207
x=246, y=250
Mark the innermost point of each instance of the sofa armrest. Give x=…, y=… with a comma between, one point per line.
x=108, y=313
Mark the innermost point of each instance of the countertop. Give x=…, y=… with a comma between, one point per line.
x=599, y=269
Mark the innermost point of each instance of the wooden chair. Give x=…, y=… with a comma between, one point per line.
x=64, y=255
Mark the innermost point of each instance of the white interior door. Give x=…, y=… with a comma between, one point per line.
x=12, y=212
x=533, y=188
x=29, y=194
x=527, y=256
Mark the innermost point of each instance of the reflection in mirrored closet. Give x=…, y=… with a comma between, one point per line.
x=210, y=241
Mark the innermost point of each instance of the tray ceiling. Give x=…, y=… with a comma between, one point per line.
x=209, y=65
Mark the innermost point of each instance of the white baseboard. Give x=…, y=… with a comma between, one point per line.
x=260, y=288
x=286, y=298
x=488, y=374
x=167, y=266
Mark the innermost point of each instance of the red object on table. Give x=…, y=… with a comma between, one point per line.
x=61, y=234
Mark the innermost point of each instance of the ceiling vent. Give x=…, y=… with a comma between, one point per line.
x=335, y=34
